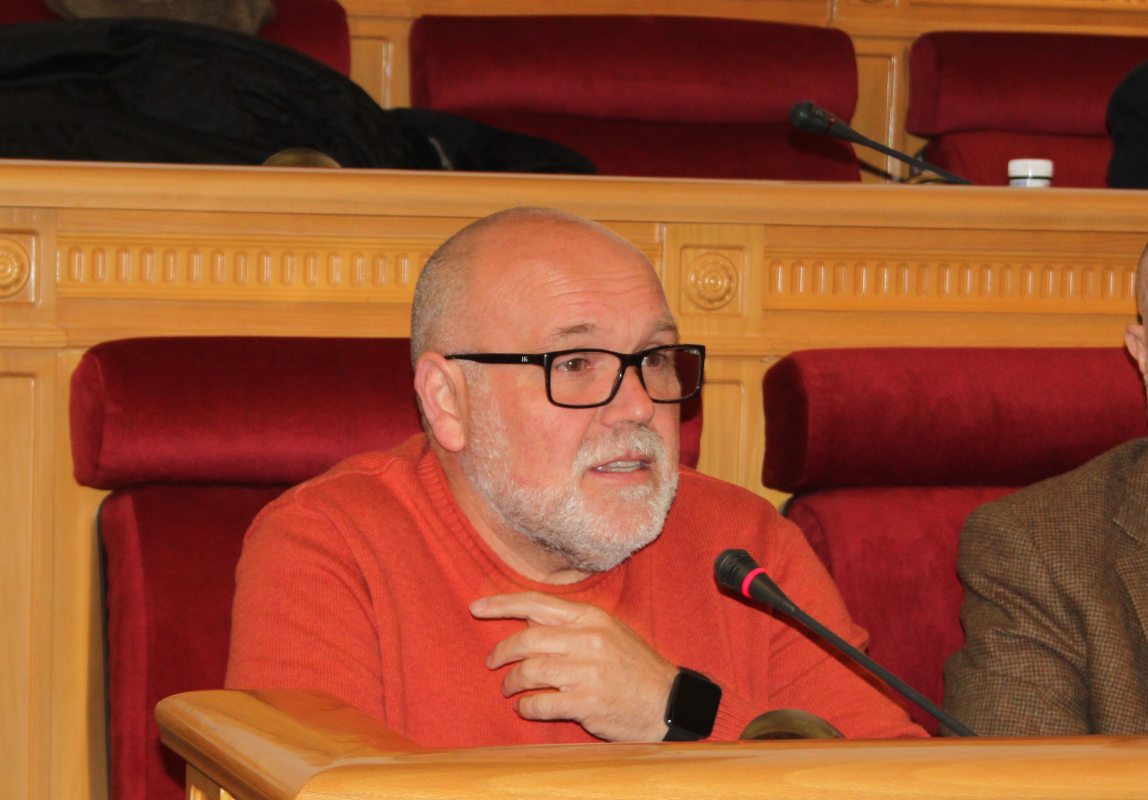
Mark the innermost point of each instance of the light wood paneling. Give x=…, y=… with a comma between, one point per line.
x=18, y=566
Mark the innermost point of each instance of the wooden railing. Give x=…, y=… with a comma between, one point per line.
x=753, y=270
x=284, y=744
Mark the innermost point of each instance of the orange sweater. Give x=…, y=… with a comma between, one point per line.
x=358, y=583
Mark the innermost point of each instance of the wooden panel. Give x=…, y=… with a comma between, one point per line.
x=17, y=563
x=882, y=98
x=76, y=762
x=380, y=59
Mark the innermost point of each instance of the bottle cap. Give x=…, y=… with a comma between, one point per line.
x=1029, y=168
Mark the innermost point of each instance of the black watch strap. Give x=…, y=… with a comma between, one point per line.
x=692, y=707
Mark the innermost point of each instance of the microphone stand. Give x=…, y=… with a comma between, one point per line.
x=737, y=571
x=812, y=118
x=913, y=161
x=905, y=689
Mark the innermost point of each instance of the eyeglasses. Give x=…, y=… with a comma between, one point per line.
x=591, y=378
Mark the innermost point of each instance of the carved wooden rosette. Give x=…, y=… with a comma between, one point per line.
x=15, y=267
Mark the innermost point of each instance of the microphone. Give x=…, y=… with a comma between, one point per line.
x=736, y=571
x=805, y=115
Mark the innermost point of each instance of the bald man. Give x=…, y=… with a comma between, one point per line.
x=537, y=568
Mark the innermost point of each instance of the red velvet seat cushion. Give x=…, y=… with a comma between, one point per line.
x=893, y=553
x=235, y=410
x=888, y=450
x=317, y=28
x=644, y=95
x=944, y=416
x=17, y=11
x=983, y=156
x=170, y=553
x=689, y=150
x=1012, y=90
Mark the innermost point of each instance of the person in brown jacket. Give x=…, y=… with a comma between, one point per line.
x=1056, y=597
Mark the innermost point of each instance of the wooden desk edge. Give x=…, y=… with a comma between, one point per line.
x=302, y=744
x=269, y=743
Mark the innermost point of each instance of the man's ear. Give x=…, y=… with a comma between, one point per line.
x=1134, y=340
x=441, y=388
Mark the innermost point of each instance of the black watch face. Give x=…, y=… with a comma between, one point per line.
x=695, y=704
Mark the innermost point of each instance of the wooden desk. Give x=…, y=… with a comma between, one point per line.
x=284, y=744
x=752, y=270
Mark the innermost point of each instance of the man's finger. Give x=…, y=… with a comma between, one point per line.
x=536, y=641
x=540, y=672
x=547, y=706
x=533, y=606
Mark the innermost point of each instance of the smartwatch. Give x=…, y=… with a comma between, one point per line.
x=692, y=707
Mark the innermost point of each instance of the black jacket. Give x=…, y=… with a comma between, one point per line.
x=142, y=90
x=1128, y=127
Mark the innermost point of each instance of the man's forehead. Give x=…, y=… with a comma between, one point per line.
x=558, y=240
x=582, y=307
x=584, y=330
x=565, y=280
x=564, y=272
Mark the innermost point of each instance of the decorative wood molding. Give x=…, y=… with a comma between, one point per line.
x=16, y=267
x=929, y=282
x=713, y=278
x=340, y=268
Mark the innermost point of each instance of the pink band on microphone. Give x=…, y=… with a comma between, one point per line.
x=749, y=579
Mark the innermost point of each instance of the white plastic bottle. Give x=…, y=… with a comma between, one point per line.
x=1030, y=172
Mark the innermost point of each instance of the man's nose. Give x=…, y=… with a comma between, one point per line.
x=632, y=403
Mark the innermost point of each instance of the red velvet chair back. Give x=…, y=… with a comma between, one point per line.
x=886, y=451
x=982, y=98
x=644, y=95
x=193, y=436
x=317, y=28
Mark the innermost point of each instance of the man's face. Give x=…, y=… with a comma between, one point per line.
x=592, y=485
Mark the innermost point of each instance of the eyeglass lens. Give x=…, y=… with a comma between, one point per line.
x=589, y=377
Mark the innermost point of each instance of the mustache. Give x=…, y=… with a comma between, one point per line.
x=642, y=441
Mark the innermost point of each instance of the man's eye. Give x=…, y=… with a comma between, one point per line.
x=657, y=360
x=572, y=364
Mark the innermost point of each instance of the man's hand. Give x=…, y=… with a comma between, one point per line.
x=574, y=661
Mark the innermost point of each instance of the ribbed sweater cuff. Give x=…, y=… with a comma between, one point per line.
x=734, y=713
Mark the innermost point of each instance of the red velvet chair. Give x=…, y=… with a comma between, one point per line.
x=886, y=451
x=315, y=27
x=644, y=95
x=982, y=98
x=193, y=436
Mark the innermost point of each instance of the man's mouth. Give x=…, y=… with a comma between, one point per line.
x=623, y=466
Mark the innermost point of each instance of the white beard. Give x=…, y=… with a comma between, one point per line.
x=560, y=518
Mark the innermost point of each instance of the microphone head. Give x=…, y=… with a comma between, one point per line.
x=731, y=568
x=805, y=115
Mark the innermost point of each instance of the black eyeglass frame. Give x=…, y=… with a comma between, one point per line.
x=627, y=360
